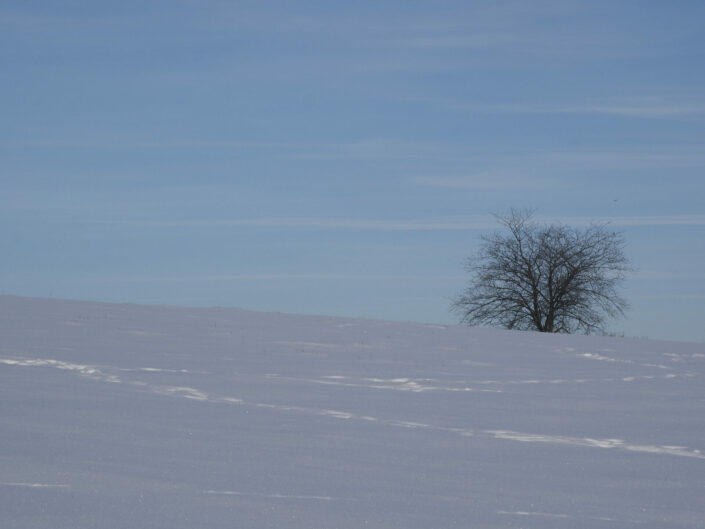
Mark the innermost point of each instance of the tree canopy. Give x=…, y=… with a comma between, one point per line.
x=545, y=277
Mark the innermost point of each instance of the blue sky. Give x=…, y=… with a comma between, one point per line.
x=345, y=157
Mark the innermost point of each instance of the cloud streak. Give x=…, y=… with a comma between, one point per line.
x=501, y=166
x=281, y=276
x=471, y=223
x=476, y=222
x=656, y=110
x=645, y=220
x=490, y=180
x=665, y=106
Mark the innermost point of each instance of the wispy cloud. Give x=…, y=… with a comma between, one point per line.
x=446, y=224
x=637, y=220
x=507, y=175
x=631, y=108
x=512, y=30
x=476, y=40
x=636, y=107
x=457, y=223
x=673, y=297
x=492, y=179
x=164, y=143
x=645, y=274
x=355, y=149
x=624, y=159
x=684, y=110
x=377, y=149
x=280, y=276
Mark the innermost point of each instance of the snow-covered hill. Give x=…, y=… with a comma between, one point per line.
x=125, y=416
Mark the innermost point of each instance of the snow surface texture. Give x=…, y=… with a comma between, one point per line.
x=118, y=416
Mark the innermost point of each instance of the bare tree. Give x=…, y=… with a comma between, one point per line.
x=548, y=278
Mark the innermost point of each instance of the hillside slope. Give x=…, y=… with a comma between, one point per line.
x=119, y=416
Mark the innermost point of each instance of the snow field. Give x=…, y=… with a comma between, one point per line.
x=132, y=416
